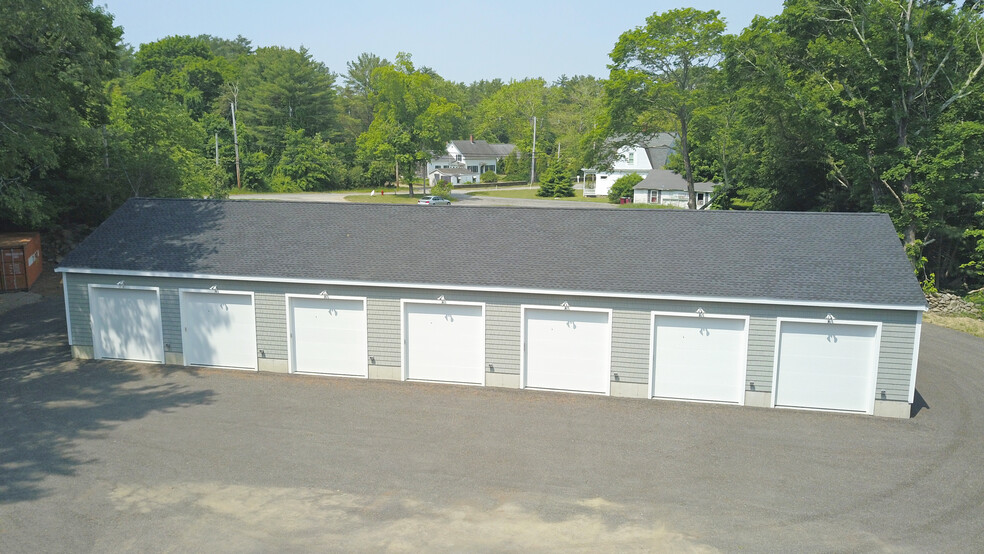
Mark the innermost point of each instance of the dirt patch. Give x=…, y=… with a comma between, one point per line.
x=49, y=284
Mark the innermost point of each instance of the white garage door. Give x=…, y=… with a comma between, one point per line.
x=829, y=366
x=218, y=329
x=568, y=350
x=328, y=335
x=126, y=324
x=444, y=342
x=699, y=358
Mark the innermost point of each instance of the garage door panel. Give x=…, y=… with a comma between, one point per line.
x=328, y=336
x=218, y=329
x=699, y=358
x=127, y=324
x=826, y=366
x=445, y=342
x=568, y=350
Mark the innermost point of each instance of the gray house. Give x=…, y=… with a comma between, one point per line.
x=662, y=186
x=800, y=310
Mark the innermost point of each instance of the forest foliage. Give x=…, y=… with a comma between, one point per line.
x=832, y=105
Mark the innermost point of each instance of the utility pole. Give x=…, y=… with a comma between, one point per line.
x=105, y=148
x=533, y=157
x=235, y=142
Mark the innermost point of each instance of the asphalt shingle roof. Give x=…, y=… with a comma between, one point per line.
x=811, y=257
x=481, y=148
x=664, y=179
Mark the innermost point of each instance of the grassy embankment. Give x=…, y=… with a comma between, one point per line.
x=969, y=323
x=530, y=194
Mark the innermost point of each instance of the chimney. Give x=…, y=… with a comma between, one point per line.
x=471, y=138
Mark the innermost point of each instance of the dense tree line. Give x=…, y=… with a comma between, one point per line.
x=847, y=105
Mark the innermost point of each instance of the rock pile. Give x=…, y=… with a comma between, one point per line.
x=950, y=304
x=57, y=243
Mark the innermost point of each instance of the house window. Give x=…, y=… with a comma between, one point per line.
x=630, y=157
x=700, y=198
x=654, y=197
x=473, y=168
x=457, y=157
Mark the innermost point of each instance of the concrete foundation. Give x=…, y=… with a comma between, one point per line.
x=886, y=408
x=83, y=352
x=384, y=372
x=504, y=380
x=758, y=399
x=174, y=358
x=272, y=365
x=630, y=390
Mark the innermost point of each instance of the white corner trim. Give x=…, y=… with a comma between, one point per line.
x=68, y=311
x=915, y=358
x=516, y=290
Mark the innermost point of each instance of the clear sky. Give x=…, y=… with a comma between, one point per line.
x=463, y=41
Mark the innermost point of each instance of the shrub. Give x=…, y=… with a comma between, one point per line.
x=623, y=187
x=443, y=189
x=489, y=177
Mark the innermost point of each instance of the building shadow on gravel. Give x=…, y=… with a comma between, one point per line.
x=48, y=401
x=918, y=404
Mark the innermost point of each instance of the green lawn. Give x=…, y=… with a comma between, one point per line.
x=388, y=198
x=970, y=325
x=530, y=194
x=237, y=192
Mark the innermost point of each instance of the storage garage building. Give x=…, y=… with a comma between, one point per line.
x=801, y=310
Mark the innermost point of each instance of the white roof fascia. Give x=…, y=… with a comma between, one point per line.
x=514, y=290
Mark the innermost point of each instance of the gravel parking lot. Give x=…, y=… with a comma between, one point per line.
x=109, y=456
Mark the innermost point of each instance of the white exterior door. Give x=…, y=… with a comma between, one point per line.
x=218, y=328
x=126, y=324
x=328, y=335
x=444, y=342
x=828, y=366
x=699, y=358
x=567, y=349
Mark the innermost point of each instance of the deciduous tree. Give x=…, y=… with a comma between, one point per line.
x=657, y=72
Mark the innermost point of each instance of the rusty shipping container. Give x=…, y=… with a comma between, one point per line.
x=20, y=260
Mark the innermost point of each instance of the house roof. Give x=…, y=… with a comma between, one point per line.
x=453, y=171
x=658, y=149
x=664, y=179
x=825, y=258
x=481, y=148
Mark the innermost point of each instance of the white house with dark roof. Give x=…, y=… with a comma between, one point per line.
x=637, y=158
x=662, y=186
x=472, y=157
x=817, y=311
x=453, y=175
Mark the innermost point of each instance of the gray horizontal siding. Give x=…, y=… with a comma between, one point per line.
x=171, y=319
x=761, y=353
x=78, y=309
x=503, y=343
x=384, y=331
x=630, y=345
x=631, y=325
x=271, y=324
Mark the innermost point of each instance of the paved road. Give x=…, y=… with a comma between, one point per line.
x=461, y=198
x=110, y=456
